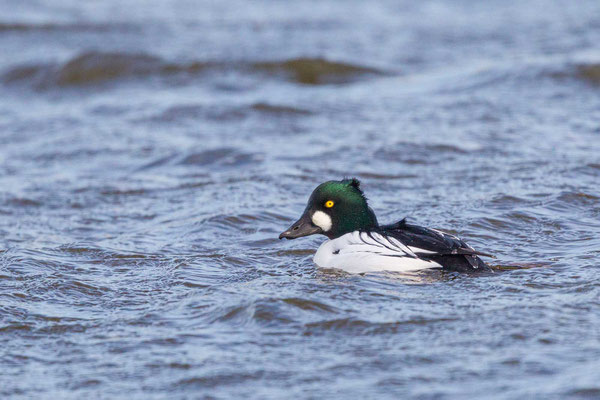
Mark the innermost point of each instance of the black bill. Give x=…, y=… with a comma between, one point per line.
x=302, y=227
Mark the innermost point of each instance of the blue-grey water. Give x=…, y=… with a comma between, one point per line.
x=151, y=152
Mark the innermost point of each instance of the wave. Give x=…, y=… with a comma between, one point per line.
x=87, y=68
x=583, y=71
x=589, y=73
x=356, y=326
x=315, y=71
x=190, y=112
x=274, y=109
x=421, y=153
x=224, y=156
x=272, y=311
x=68, y=27
x=95, y=67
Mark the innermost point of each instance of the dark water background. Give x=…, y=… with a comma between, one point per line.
x=151, y=152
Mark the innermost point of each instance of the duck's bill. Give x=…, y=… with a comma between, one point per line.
x=300, y=228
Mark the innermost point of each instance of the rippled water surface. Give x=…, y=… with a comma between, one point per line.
x=152, y=153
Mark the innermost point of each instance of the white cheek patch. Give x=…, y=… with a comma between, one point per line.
x=322, y=220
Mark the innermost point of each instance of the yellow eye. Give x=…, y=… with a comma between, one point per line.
x=329, y=203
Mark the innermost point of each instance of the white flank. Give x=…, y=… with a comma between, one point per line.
x=322, y=220
x=358, y=252
x=420, y=251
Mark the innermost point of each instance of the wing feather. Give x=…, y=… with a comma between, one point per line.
x=427, y=242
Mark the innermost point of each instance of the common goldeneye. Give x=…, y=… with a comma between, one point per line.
x=357, y=243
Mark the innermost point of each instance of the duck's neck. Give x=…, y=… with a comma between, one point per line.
x=354, y=221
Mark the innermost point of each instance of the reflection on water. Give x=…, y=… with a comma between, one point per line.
x=151, y=155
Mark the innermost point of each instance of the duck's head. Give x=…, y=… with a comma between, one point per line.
x=334, y=209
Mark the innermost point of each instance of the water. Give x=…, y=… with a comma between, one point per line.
x=152, y=153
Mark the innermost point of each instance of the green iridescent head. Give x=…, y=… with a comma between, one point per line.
x=334, y=209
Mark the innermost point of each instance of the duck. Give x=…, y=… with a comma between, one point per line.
x=358, y=244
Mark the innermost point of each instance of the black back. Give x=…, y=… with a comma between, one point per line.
x=447, y=250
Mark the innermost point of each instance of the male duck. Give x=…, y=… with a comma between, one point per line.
x=357, y=243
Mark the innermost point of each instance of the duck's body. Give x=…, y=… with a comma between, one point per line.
x=398, y=248
x=358, y=244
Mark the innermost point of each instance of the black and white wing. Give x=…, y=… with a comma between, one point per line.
x=446, y=249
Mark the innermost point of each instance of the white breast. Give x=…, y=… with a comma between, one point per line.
x=359, y=252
